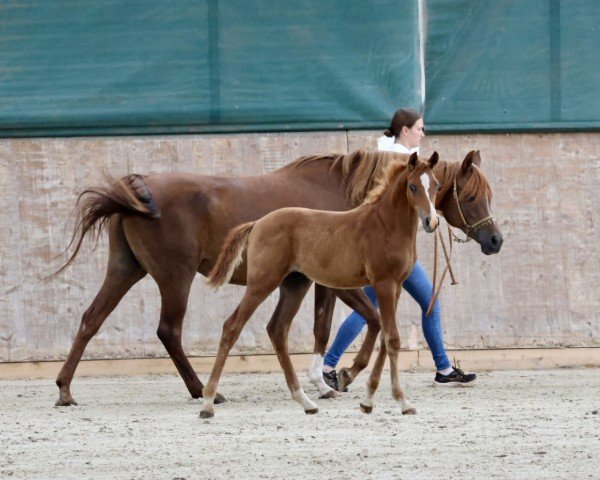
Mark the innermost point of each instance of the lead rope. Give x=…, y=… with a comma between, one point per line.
x=448, y=269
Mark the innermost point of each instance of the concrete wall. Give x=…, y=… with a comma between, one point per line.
x=540, y=291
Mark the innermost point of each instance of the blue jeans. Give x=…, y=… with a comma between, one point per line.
x=419, y=287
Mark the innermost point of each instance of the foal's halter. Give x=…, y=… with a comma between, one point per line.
x=470, y=228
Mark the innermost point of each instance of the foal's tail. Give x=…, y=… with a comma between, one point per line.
x=128, y=196
x=231, y=254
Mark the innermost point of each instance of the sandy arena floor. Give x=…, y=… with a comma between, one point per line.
x=517, y=425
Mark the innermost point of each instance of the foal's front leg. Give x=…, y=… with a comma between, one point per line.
x=387, y=294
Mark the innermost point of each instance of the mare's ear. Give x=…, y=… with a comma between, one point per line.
x=433, y=160
x=469, y=160
x=412, y=161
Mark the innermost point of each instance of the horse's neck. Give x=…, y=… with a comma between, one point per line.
x=317, y=171
x=397, y=216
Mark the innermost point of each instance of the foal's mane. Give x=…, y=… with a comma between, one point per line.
x=359, y=170
x=393, y=170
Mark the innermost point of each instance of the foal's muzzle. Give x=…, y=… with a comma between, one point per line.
x=430, y=223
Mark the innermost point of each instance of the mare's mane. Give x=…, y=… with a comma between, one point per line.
x=359, y=170
x=477, y=185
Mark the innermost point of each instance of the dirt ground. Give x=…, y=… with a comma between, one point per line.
x=517, y=425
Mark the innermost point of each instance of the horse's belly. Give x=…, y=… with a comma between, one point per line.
x=341, y=274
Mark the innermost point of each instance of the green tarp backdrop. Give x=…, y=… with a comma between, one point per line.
x=513, y=65
x=85, y=67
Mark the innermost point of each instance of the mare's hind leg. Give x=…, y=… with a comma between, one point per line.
x=174, y=291
x=122, y=273
x=232, y=328
x=358, y=301
x=292, y=290
x=324, y=304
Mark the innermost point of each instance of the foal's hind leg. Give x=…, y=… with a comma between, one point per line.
x=122, y=273
x=373, y=382
x=292, y=290
x=358, y=301
x=232, y=328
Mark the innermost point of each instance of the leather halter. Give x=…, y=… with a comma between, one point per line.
x=470, y=228
x=435, y=290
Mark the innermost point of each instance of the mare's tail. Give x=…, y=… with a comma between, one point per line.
x=231, y=254
x=128, y=196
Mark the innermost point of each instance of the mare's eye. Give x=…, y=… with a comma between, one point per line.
x=471, y=198
x=438, y=187
x=413, y=188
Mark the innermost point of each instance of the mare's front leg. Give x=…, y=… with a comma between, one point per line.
x=358, y=301
x=324, y=304
x=232, y=328
x=387, y=294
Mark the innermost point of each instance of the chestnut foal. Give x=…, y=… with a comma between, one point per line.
x=374, y=244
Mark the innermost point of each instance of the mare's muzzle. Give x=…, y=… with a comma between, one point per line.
x=491, y=240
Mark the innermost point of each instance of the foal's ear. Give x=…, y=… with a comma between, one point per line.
x=433, y=160
x=412, y=161
x=472, y=157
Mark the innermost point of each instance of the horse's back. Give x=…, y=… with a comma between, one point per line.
x=323, y=245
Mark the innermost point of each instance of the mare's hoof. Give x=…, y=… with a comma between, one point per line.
x=329, y=394
x=206, y=414
x=409, y=411
x=311, y=411
x=344, y=379
x=65, y=403
x=366, y=409
x=219, y=398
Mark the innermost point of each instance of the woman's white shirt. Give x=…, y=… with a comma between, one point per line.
x=386, y=144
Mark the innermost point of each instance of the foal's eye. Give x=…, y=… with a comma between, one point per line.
x=438, y=187
x=413, y=188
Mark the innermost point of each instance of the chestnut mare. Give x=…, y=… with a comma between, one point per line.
x=373, y=244
x=173, y=225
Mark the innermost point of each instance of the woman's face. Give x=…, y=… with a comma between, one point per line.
x=411, y=137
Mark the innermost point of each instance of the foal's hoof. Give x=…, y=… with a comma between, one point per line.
x=366, y=408
x=409, y=411
x=206, y=414
x=329, y=394
x=65, y=402
x=219, y=399
x=311, y=411
x=344, y=379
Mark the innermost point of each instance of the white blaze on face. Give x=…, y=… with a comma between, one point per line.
x=425, y=181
